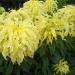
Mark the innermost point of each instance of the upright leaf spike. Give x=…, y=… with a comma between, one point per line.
x=50, y=5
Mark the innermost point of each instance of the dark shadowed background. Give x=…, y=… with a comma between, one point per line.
x=15, y=4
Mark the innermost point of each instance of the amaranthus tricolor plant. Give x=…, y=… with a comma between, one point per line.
x=21, y=30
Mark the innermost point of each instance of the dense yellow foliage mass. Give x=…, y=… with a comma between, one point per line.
x=18, y=40
x=62, y=23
